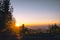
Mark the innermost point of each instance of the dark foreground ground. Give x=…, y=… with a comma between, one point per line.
x=7, y=36
x=45, y=36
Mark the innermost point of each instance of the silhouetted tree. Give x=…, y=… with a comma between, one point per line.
x=5, y=15
x=5, y=21
x=55, y=29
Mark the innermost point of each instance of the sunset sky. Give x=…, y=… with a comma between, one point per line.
x=36, y=11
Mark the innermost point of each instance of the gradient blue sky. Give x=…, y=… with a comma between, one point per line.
x=36, y=11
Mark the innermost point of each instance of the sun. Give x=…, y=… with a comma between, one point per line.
x=17, y=25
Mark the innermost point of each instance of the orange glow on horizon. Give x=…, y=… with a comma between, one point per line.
x=41, y=23
x=36, y=23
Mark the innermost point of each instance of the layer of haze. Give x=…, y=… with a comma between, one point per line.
x=36, y=11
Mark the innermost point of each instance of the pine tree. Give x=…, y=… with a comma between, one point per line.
x=5, y=20
x=5, y=14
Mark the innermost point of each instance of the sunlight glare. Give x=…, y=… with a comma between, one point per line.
x=17, y=25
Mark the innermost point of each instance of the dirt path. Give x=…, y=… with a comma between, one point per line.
x=19, y=37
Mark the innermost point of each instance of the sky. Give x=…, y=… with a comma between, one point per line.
x=36, y=11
